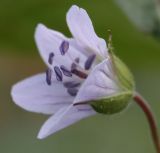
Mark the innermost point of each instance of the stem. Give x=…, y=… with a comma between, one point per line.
x=151, y=120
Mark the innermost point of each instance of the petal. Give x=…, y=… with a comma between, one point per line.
x=100, y=83
x=49, y=41
x=63, y=118
x=33, y=94
x=79, y=47
x=82, y=29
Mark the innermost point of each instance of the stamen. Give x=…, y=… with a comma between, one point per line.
x=77, y=60
x=73, y=66
x=64, y=47
x=50, y=59
x=65, y=71
x=72, y=91
x=58, y=73
x=71, y=84
x=89, y=62
x=75, y=63
x=79, y=73
x=48, y=76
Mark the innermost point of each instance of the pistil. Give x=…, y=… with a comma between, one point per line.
x=79, y=73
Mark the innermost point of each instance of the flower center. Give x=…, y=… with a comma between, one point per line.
x=75, y=69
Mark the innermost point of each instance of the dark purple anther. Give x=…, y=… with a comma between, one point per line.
x=77, y=60
x=73, y=66
x=72, y=91
x=48, y=76
x=50, y=59
x=89, y=62
x=64, y=47
x=71, y=84
x=65, y=71
x=58, y=73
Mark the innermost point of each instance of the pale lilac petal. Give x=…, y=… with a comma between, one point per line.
x=100, y=83
x=62, y=119
x=82, y=30
x=49, y=41
x=33, y=94
x=79, y=47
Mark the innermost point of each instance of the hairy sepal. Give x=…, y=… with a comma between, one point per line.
x=124, y=75
x=112, y=104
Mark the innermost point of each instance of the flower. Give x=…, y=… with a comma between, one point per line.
x=83, y=76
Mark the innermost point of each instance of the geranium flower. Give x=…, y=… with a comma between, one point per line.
x=83, y=76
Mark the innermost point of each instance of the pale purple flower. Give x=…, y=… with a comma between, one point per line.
x=79, y=69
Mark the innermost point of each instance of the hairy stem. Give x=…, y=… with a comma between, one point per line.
x=151, y=119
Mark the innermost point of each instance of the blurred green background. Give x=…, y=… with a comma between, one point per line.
x=127, y=132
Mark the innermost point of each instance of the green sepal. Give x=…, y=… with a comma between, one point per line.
x=112, y=104
x=115, y=103
x=123, y=74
